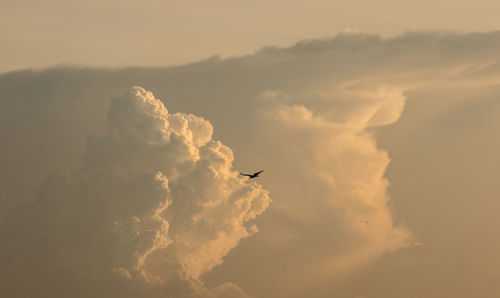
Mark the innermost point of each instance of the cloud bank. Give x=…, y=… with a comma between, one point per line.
x=308, y=114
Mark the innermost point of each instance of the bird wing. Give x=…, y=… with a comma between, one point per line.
x=245, y=174
x=255, y=174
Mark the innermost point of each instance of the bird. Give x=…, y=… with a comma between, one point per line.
x=254, y=175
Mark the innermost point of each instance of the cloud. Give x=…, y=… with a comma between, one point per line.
x=156, y=203
x=330, y=212
x=308, y=114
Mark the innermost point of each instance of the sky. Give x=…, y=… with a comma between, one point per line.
x=378, y=144
x=114, y=33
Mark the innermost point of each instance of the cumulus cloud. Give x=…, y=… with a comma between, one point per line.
x=156, y=203
x=331, y=194
x=307, y=114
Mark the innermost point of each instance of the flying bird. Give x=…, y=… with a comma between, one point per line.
x=254, y=175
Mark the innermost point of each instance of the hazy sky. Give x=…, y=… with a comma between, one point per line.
x=379, y=144
x=161, y=33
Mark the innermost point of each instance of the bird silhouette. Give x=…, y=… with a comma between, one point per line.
x=254, y=175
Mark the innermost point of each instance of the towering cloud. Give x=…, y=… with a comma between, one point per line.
x=330, y=210
x=155, y=204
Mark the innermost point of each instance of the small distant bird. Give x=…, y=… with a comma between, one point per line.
x=254, y=175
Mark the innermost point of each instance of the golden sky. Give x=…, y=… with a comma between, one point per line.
x=379, y=146
x=160, y=33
